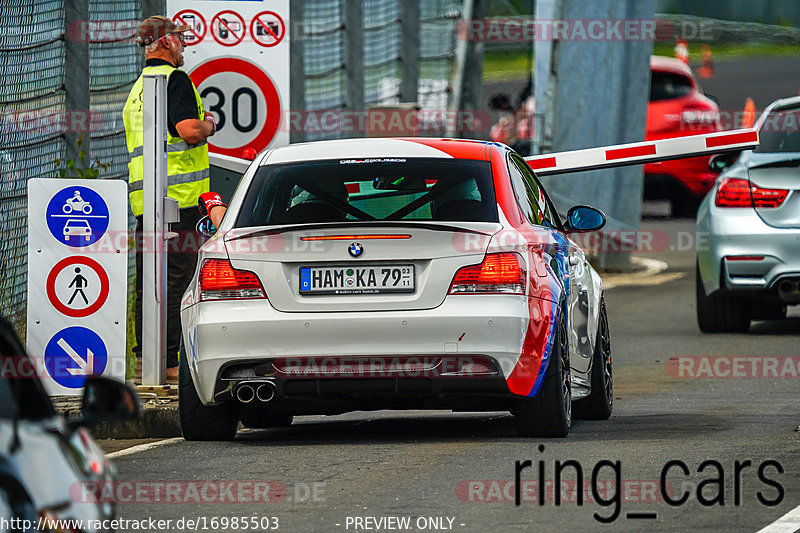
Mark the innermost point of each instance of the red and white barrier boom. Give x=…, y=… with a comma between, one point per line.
x=643, y=152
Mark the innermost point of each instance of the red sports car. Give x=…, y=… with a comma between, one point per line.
x=677, y=108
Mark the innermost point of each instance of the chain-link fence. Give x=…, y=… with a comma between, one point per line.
x=114, y=67
x=382, y=51
x=31, y=95
x=35, y=121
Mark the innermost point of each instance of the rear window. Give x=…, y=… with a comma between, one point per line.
x=780, y=132
x=361, y=190
x=666, y=86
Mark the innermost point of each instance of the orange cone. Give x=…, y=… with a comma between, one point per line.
x=707, y=70
x=749, y=115
x=682, y=50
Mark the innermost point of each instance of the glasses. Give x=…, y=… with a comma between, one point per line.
x=180, y=37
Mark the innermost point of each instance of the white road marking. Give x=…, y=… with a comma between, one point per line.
x=142, y=447
x=788, y=523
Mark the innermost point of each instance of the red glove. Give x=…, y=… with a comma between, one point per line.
x=207, y=200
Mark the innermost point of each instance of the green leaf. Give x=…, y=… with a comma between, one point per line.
x=70, y=163
x=62, y=173
x=82, y=155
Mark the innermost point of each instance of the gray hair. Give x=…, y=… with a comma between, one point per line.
x=152, y=47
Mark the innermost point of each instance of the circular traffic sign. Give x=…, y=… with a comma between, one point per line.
x=247, y=105
x=196, y=23
x=73, y=285
x=228, y=28
x=77, y=216
x=73, y=354
x=267, y=28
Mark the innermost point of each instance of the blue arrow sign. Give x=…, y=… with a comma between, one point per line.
x=77, y=216
x=74, y=353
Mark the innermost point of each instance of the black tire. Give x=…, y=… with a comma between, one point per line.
x=600, y=402
x=549, y=413
x=720, y=313
x=199, y=422
x=260, y=418
x=766, y=310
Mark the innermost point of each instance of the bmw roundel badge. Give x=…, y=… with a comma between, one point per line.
x=355, y=249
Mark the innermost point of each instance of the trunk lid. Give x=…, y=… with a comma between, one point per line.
x=433, y=251
x=779, y=175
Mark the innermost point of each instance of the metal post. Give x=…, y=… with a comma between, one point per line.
x=153, y=7
x=76, y=81
x=409, y=66
x=297, y=74
x=544, y=81
x=354, y=54
x=154, y=268
x=462, y=50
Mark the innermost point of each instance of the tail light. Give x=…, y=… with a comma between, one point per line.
x=736, y=192
x=498, y=274
x=220, y=281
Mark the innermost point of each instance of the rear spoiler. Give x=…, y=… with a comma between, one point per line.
x=643, y=152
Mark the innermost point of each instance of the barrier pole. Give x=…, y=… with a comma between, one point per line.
x=154, y=268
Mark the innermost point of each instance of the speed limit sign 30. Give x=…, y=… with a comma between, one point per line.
x=244, y=101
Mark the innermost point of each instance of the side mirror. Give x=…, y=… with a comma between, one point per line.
x=106, y=400
x=720, y=162
x=205, y=227
x=583, y=218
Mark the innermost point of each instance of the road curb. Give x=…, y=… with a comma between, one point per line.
x=158, y=420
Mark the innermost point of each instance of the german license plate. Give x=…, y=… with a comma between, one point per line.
x=363, y=279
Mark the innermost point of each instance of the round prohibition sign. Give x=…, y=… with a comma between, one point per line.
x=231, y=26
x=196, y=23
x=68, y=262
x=264, y=83
x=267, y=28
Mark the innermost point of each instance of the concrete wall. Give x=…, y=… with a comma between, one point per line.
x=597, y=95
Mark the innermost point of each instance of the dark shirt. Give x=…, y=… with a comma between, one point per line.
x=181, y=103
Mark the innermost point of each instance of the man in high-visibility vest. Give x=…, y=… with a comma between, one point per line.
x=188, y=127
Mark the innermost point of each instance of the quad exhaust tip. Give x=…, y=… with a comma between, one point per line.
x=789, y=290
x=245, y=393
x=263, y=391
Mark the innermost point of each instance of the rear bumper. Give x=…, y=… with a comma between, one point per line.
x=664, y=179
x=222, y=335
x=726, y=232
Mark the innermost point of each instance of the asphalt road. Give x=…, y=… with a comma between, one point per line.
x=444, y=466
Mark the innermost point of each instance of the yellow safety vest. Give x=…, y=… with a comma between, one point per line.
x=187, y=164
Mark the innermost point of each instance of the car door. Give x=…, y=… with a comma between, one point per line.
x=572, y=261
